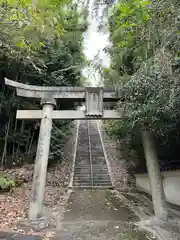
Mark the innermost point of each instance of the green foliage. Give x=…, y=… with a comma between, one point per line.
x=6, y=184
x=145, y=63
x=127, y=18
x=60, y=133
x=58, y=61
x=125, y=24
x=27, y=27
x=27, y=16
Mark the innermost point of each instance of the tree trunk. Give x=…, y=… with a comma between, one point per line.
x=5, y=142
x=158, y=196
x=30, y=145
x=14, y=141
x=28, y=142
x=18, y=146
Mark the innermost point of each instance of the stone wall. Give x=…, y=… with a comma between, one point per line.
x=171, y=183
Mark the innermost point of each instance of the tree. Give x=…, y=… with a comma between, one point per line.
x=57, y=62
x=145, y=64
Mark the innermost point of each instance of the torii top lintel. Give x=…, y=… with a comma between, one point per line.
x=76, y=93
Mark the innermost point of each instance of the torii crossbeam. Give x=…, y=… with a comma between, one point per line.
x=93, y=97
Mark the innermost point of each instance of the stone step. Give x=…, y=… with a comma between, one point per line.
x=99, y=165
x=100, y=174
x=94, y=187
x=82, y=174
x=82, y=178
x=82, y=166
x=79, y=177
x=94, y=181
x=102, y=184
x=101, y=179
x=82, y=185
x=97, y=154
x=100, y=169
x=88, y=171
x=96, y=160
x=88, y=166
x=82, y=169
x=82, y=182
x=90, y=180
x=95, y=170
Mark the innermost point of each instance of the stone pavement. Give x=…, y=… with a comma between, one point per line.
x=97, y=215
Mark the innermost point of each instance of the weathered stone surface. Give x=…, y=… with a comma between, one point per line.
x=40, y=169
x=94, y=101
x=70, y=114
x=77, y=93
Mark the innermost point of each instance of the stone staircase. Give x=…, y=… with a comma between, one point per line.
x=82, y=169
x=90, y=169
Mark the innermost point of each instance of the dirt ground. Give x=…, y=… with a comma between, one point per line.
x=14, y=204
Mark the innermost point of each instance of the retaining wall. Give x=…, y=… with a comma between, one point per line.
x=171, y=183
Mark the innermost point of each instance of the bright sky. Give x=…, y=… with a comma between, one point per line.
x=94, y=43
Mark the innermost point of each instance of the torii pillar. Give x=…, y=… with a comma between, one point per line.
x=41, y=162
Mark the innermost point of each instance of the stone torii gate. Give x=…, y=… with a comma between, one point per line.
x=93, y=97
